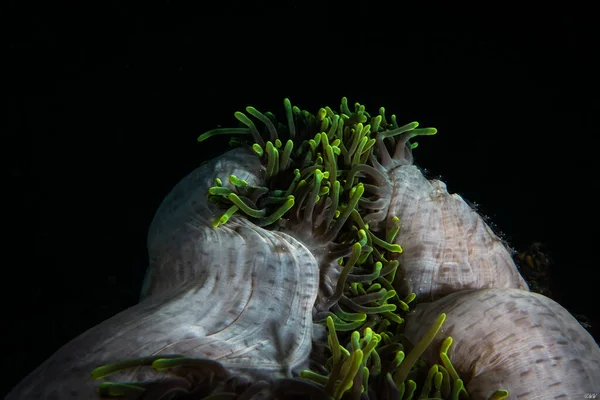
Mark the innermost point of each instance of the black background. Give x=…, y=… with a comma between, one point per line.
x=105, y=105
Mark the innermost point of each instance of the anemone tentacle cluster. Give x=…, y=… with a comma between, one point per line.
x=288, y=267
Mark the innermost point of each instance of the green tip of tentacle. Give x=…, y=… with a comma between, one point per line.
x=123, y=390
x=223, y=131
x=199, y=364
x=248, y=122
x=109, y=369
x=225, y=217
x=499, y=395
x=410, y=298
x=402, y=372
x=271, y=219
x=234, y=198
x=258, y=150
x=398, y=131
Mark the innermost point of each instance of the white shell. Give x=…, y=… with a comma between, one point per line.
x=446, y=244
x=511, y=339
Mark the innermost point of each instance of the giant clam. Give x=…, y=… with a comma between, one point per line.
x=277, y=270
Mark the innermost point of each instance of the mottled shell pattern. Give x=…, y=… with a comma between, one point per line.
x=255, y=253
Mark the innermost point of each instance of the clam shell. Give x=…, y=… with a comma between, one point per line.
x=511, y=339
x=446, y=245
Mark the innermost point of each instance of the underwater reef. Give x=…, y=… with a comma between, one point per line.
x=314, y=260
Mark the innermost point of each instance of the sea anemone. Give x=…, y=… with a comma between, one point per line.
x=277, y=270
